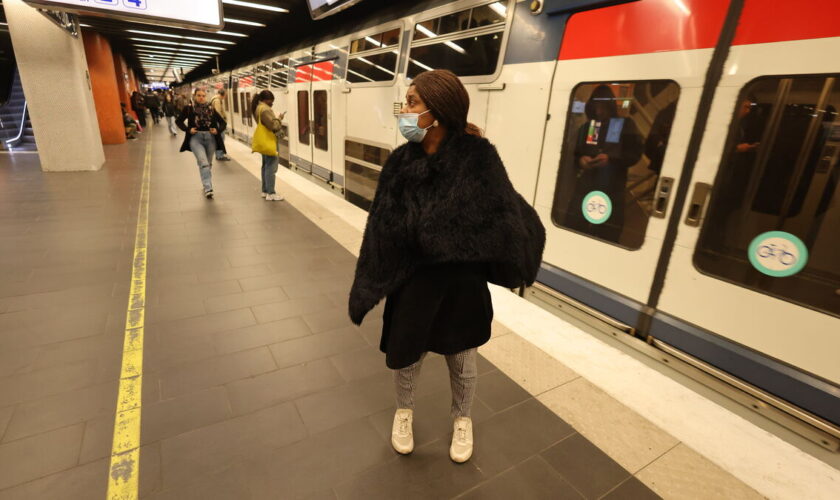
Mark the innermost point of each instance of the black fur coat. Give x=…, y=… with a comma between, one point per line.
x=456, y=205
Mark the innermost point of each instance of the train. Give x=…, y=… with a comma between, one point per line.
x=682, y=154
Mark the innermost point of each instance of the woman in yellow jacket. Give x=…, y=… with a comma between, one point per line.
x=265, y=141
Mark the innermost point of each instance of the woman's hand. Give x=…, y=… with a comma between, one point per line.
x=600, y=161
x=214, y=131
x=584, y=161
x=193, y=131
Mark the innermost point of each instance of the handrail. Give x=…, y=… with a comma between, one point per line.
x=22, y=124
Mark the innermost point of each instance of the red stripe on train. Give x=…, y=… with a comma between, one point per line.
x=318, y=72
x=643, y=27
x=765, y=22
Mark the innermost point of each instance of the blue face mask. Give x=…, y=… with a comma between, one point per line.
x=409, y=128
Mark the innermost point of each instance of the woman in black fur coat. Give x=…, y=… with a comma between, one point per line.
x=445, y=221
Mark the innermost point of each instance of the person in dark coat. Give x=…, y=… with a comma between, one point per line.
x=170, y=111
x=138, y=105
x=445, y=221
x=153, y=103
x=202, y=126
x=607, y=147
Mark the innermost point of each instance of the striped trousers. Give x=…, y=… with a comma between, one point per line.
x=463, y=374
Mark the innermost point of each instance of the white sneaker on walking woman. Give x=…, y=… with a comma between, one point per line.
x=462, y=440
x=402, y=435
x=273, y=197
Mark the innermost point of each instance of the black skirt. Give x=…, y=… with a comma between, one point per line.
x=442, y=308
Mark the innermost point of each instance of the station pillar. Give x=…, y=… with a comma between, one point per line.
x=103, y=79
x=122, y=81
x=53, y=71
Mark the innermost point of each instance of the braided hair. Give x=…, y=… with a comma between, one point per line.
x=446, y=97
x=265, y=95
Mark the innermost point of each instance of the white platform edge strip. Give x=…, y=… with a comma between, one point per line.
x=768, y=464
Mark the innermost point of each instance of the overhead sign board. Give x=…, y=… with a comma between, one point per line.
x=195, y=14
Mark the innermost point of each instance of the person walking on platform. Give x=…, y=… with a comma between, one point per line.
x=180, y=102
x=139, y=107
x=265, y=141
x=218, y=103
x=170, y=112
x=444, y=222
x=202, y=126
x=153, y=103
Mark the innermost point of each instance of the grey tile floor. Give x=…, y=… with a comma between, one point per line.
x=256, y=384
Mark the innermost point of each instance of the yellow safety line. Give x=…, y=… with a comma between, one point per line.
x=124, y=473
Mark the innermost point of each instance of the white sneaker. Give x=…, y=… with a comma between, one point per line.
x=263, y=194
x=462, y=440
x=273, y=197
x=402, y=436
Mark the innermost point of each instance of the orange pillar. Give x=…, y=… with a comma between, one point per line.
x=122, y=81
x=103, y=80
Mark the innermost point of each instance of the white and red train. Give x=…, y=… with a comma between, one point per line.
x=683, y=155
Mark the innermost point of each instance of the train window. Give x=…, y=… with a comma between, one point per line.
x=774, y=212
x=477, y=17
x=280, y=78
x=487, y=15
x=474, y=55
x=377, y=41
x=362, y=165
x=303, y=116
x=450, y=23
x=391, y=38
x=615, y=142
x=372, y=68
x=248, y=107
x=472, y=42
x=320, y=125
x=373, y=58
x=263, y=81
x=243, y=97
x=235, y=96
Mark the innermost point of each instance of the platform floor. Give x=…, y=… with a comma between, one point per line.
x=256, y=383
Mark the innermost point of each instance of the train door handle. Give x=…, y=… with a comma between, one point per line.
x=663, y=194
x=699, y=201
x=491, y=86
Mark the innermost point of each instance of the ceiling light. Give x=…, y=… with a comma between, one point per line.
x=231, y=33
x=179, y=54
x=255, y=5
x=170, y=60
x=167, y=61
x=499, y=8
x=179, y=44
x=170, y=35
x=205, y=52
x=426, y=31
x=147, y=53
x=246, y=23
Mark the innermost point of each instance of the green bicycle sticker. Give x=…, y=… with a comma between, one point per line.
x=778, y=254
x=597, y=207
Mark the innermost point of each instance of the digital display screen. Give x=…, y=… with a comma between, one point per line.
x=323, y=8
x=202, y=14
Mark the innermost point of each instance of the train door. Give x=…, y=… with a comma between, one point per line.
x=278, y=85
x=314, y=117
x=756, y=256
x=247, y=88
x=621, y=112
